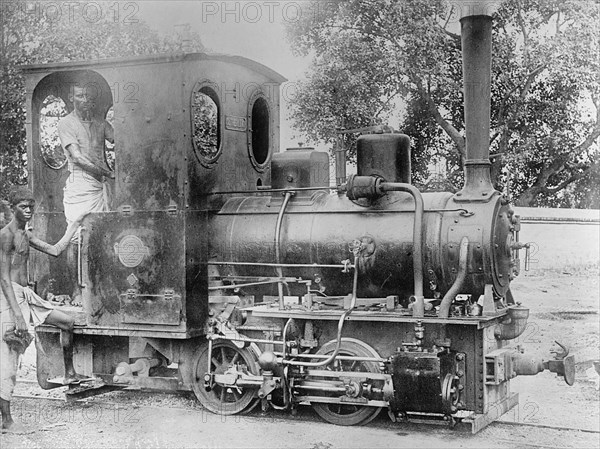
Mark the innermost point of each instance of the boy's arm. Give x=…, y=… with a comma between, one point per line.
x=6, y=245
x=56, y=249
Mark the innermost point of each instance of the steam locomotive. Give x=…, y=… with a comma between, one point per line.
x=234, y=270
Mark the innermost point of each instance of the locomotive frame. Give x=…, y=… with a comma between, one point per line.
x=241, y=277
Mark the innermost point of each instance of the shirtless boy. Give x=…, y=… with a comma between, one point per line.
x=19, y=305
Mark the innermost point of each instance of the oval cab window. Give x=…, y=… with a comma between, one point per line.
x=206, y=133
x=52, y=110
x=259, y=137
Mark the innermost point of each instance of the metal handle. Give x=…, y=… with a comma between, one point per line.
x=79, y=257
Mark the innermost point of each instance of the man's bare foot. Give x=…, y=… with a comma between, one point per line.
x=74, y=378
x=14, y=427
x=77, y=299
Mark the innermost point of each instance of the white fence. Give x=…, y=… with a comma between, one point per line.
x=562, y=239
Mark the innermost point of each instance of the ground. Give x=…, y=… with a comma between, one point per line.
x=564, y=307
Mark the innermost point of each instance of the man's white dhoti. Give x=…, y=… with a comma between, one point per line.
x=83, y=193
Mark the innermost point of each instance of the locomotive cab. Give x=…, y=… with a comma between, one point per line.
x=184, y=125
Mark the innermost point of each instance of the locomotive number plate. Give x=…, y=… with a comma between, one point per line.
x=236, y=123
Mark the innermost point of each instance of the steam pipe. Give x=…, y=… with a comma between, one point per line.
x=476, y=38
x=419, y=306
x=286, y=200
x=460, y=279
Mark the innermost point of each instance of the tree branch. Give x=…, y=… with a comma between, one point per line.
x=521, y=23
x=444, y=124
x=574, y=177
x=530, y=79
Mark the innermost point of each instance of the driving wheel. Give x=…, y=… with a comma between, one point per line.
x=348, y=414
x=223, y=400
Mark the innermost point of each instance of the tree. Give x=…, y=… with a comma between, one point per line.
x=545, y=77
x=39, y=32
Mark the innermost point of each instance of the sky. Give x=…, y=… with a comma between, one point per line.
x=253, y=29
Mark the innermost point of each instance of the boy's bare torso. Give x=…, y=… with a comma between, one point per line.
x=18, y=252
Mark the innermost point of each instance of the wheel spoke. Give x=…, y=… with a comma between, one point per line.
x=222, y=399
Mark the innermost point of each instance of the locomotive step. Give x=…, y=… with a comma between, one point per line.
x=60, y=381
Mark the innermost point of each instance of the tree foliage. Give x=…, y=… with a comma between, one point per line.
x=369, y=54
x=32, y=35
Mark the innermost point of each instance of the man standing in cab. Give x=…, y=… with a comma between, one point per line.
x=82, y=135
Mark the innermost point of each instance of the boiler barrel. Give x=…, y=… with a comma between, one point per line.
x=323, y=230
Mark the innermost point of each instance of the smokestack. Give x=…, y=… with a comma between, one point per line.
x=476, y=36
